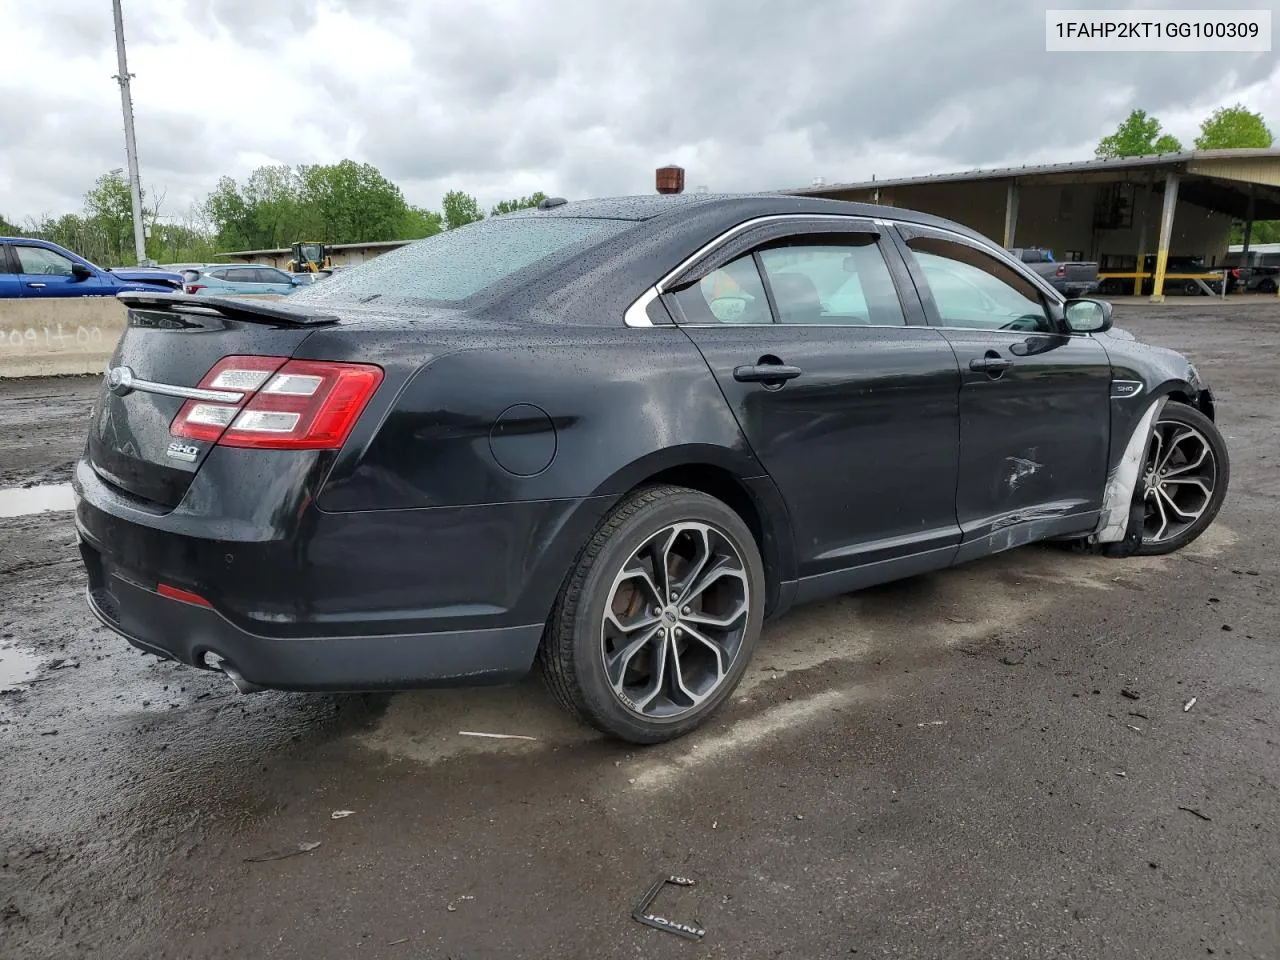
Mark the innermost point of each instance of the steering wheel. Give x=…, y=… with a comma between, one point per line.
x=1027, y=323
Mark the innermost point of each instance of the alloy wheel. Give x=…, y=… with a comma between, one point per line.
x=675, y=620
x=1178, y=480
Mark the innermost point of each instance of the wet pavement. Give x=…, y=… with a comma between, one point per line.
x=946, y=766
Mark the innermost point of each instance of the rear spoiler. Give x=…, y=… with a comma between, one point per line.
x=250, y=311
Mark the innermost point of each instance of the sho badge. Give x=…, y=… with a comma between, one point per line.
x=185, y=452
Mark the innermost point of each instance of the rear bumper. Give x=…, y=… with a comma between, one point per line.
x=189, y=633
x=308, y=600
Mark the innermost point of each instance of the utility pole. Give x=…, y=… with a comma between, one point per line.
x=130, y=145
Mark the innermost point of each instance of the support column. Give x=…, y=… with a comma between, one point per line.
x=1248, y=229
x=1010, y=213
x=1143, y=210
x=1166, y=235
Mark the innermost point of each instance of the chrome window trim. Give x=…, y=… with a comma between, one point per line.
x=636, y=315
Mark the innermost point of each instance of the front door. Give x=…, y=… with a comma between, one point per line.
x=850, y=408
x=47, y=273
x=1035, y=400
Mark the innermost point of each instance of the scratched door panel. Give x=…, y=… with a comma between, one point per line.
x=1033, y=438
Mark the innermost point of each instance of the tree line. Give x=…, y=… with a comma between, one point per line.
x=1227, y=128
x=275, y=206
x=351, y=202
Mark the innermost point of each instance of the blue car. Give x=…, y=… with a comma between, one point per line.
x=239, y=280
x=37, y=268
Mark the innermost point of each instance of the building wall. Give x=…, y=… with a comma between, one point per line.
x=1061, y=217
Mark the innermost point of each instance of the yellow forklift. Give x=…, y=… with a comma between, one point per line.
x=309, y=257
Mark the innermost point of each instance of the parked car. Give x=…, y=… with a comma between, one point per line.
x=221, y=281
x=1074, y=278
x=37, y=268
x=612, y=437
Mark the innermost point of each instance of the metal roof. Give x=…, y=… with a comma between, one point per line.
x=1118, y=165
x=280, y=251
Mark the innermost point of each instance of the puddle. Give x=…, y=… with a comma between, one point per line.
x=23, y=501
x=17, y=667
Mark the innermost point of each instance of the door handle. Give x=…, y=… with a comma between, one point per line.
x=36, y=285
x=765, y=373
x=990, y=364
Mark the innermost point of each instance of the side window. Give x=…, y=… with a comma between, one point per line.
x=44, y=262
x=975, y=290
x=270, y=275
x=241, y=275
x=732, y=294
x=845, y=281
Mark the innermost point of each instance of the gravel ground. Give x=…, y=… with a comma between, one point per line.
x=943, y=767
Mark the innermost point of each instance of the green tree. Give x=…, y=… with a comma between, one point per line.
x=229, y=212
x=460, y=209
x=1138, y=136
x=511, y=206
x=419, y=223
x=352, y=202
x=8, y=229
x=1231, y=128
x=108, y=208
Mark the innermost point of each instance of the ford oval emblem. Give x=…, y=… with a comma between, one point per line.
x=120, y=381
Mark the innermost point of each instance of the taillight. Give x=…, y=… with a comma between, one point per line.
x=284, y=404
x=1062, y=270
x=193, y=287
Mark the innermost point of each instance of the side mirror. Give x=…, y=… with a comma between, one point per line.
x=80, y=272
x=1088, y=316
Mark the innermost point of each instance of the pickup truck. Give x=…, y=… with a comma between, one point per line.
x=1072, y=278
x=37, y=268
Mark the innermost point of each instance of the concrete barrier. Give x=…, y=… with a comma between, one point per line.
x=56, y=335
x=42, y=338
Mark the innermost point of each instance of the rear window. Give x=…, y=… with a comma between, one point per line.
x=460, y=263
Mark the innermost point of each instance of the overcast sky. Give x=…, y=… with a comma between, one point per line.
x=574, y=97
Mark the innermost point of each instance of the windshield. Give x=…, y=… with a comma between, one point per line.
x=462, y=262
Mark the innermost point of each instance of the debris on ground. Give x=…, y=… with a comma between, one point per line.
x=1139, y=714
x=641, y=913
x=1189, y=704
x=495, y=736
x=1015, y=659
x=306, y=846
x=1130, y=694
x=340, y=814
x=1133, y=728
x=933, y=723
x=453, y=904
x=396, y=943
x=1196, y=813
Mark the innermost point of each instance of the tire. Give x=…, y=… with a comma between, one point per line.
x=617, y=572
x=1267, y=286
x=1199, y=471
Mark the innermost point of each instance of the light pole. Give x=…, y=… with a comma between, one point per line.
x=130, y=145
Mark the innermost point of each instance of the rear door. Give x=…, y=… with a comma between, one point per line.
x=11, y=285
x=1035, y=401
x=843, y=392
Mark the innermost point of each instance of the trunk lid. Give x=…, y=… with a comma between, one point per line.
x=169, y=343
x=1080, y=272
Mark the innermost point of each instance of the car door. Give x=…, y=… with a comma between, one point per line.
x=11, y=285
x=47, y=273
x=1034, y=401
x=845, y=394
x=275, y=281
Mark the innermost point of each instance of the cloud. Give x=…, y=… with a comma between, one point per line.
x=577, y=98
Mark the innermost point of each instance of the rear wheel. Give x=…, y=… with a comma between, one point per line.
x=658, y=619
x=1183, y=481
x=1267, y=286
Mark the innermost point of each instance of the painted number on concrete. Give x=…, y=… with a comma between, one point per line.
x=55, y=337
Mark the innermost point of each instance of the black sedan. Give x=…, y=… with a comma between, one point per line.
x=612, y=437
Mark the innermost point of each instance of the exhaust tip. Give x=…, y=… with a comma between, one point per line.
x=216, y=662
